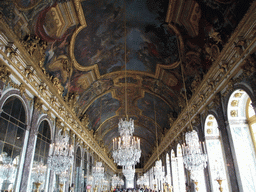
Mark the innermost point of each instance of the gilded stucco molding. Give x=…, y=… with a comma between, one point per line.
x=221, y=74
x=26, y=70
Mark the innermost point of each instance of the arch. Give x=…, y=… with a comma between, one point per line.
x=15, y=93
x=241, y=139
x=216, y=158
x=42, y=150
x=44, y=117
x=13, y=121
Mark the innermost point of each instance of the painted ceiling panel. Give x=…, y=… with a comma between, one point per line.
x=86, y=54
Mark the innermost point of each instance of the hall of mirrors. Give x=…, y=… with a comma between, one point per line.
x=16, y=139
x=192, y=124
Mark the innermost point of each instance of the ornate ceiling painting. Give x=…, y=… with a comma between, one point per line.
x=86, y=53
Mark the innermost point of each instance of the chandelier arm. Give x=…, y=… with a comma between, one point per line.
x=156, y=130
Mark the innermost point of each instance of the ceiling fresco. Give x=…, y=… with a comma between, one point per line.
x=102, y=42
x=86, y=51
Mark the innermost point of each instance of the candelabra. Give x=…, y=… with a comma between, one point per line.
x=61, y=154
x=126, y=149
x=194, y=157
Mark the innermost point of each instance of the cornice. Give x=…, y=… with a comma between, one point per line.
x=25, y=68
x=226, y=66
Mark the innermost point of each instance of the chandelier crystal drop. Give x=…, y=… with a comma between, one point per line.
x=194, y=157
x=61, y=154
x=126, y=149
x=129, y=172
x=98, y=172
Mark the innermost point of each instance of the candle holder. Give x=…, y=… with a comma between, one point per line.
x=196, y=183
x=61, y=186
x=37, y=184
x=220, y=182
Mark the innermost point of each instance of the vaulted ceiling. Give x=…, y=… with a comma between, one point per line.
x=89, y=43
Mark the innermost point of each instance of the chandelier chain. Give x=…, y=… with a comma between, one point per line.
x=156, y=129
x=125, y=61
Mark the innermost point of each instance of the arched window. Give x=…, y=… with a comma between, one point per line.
x=178, y=174
x=251, y=118
x=168, y=168
x=12, y=133
x=216, y=163
x=78, y=169
x=39, y=169
x=242, y=135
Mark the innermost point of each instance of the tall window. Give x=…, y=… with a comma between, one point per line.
x=43, y=141
x=178, y=173
x=12, y=133
x=168, y=168
x=251, y=117
x=78, y=170
x=242, y=131
x=216, y=163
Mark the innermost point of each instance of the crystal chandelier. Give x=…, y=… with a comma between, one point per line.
x=61, y=154
x=7, y=167
x=98, y=172
x=159, y=171
x=38, y=172
x=193, y=156
x=143, y=180
x=64, y=176
x=129, y=172
x=126, y=149
x=116, y=181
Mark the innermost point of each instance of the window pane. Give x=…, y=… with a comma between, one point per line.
x=1, y=147
x=8, y=149
x=3, y=128
x=16, y=108
x=11, y=133
x=20, y=137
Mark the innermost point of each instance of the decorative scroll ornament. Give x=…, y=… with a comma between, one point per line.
x=61, y=154
x=126, y=149
x=194, y=157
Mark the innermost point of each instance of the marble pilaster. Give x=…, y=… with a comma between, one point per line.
x=223, y=126
x=29, y=151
